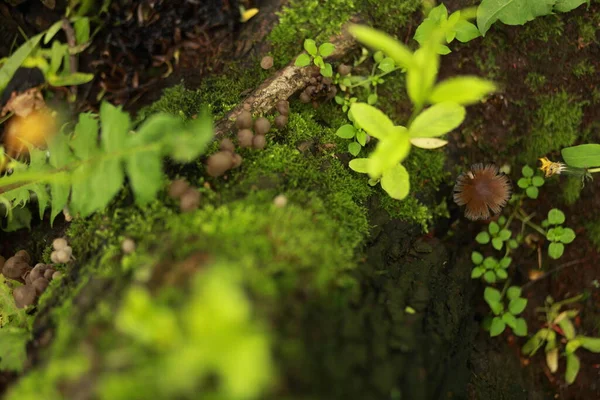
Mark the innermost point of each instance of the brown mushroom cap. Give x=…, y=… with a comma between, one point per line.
x=483, y=190
x=244, y=120
x=266, y=62
x=281, y=121
x=226, y=145
x=283, y=107
x=24, y=255
x=177, y=188
x=245, y=137
x=40, y=284
x=262, y=126
x=259, y=142
x=218, y=163
x=190, y=200
x=24, y=296
x=15, y=267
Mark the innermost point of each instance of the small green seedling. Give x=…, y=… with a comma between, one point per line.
x=497, y=235
x=453, y=25
x=348, y=131
x=316, y=56
x=530, y=183
x=505, y=315
x=491, y=269
x=557, y=234
x=560, y=323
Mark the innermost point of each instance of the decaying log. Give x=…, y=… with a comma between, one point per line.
x=282, y=85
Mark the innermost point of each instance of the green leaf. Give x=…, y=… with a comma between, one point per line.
x=497, y=243
x=491, y=295
x=59, y=194
x=567, y=327
x=527, y=171
x=476, y=257
x=510, y=320
x=477, y=272
x=464, y=90
x=360, y=165
x=387, y=65
x=77, y=78
x=516, y=306
x=311, y=47
x=504, y=234
x=466, y=31
x=378, y=40
x=52, y=31
x=437, y=120
x=303, y=60
x=326, y=49
x=318, y=60
x=372, y=120
x=327, y=70
x=497, y=327
x=395, y=182
x=354, y=148
x=56, y=57
x=115, y=126
x=568, y=235
x=582, y=156
x=556, y=217
x=361, y=137
x=84, y=142
x=82, y=30
x=13, y=62
x=428, y=143
x=510, y=12
x=20, y=218
x=568, y=5
x=493, y=228
x=513, y=244
x=505, y=262
x=572, y=370
x=346, y=131
x=590, y=343
x=12, y=348
x=535, y=342
x=372, y=99
x=490, y=277
x=523, y=183
x=482, y=238
x=501, y=274
x=521, y=327
x=490, y=262
x=532, y=192
x=422, y=75
x=389, y=152
x=556, y=250
x=513, y=292
x=42, y=197
x=537, y=181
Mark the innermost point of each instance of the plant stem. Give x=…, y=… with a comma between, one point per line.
x=526, y=219
x=593, y=170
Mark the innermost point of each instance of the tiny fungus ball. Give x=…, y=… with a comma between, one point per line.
x=59, y=243
x=237, y=160
x=40, y=284
x=259, y=142
x=15, y=267
x=344, y=69
x=281, y=121
x=262, y=126
x=283, y=107
x=48, y=273
x=57, y=275
x=483, y=190
x=189, y=201
x=244, y=120
x=226, y=145
x=54, y=257
x=24, y=296
x=63, y=256
x=128, y=246
x=245, y=137
x=218, y=163
x=280, y=201
x=24, y=255
x=266, y=62
x=177, y=188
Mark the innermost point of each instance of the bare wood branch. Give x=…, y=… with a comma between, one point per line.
x=282, y=85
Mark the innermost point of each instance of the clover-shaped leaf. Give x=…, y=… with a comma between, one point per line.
x=510, y=319
x=311, y=47
x=490, y=277
x=527, y=171
x=556, y=217
x=505, y=262
x=482, y=238
x=556, y=250
x=537, y=181
x=493, y=228
x=497, y=327
x=501, y=274
x=476, y=257
x=532, y=192
x=477, y=272
x=513, y=292
x=567, y=235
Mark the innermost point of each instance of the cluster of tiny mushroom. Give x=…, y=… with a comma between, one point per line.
x=189, y=197
x=36, y=279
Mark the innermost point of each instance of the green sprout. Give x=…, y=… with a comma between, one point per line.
x=490, y=268
x=316, y=56
x=558, y=235
x=530, y=183
x=505, y=315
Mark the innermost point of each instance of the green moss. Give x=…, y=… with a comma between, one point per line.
x=571, y=190
x=556, y=125
x=545, y=29
x=587, y=29
x=314, y=19
x=583, y=68
x=535, y=81
x=593, y=232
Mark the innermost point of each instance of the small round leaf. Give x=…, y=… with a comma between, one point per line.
x=527, y=171
x=482, y=238
x=476, y=257
x=477, y=272
x=516, y=306
x=537, y=181
x=532, y=192
x=556, y=250
x=497, y=327
x=567, y=236
x=556, y=217
x=521, y=327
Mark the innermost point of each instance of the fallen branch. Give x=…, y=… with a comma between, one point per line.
x=281, y=86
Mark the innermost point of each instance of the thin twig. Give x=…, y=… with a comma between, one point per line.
x=547, y=274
